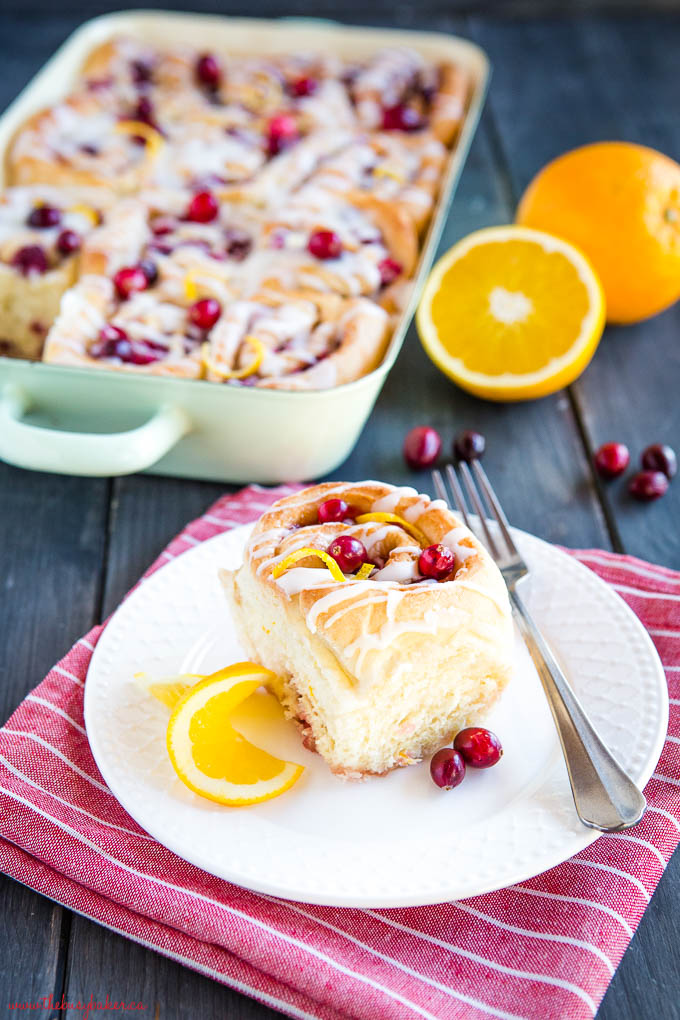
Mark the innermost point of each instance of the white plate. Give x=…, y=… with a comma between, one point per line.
x=390, y=841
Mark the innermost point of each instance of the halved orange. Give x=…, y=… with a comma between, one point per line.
x=511, y=313
x=210, y=756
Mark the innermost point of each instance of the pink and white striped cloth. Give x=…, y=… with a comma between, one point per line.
x=545, y=948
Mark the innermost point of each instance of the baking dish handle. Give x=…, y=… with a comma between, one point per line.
x=82, y=453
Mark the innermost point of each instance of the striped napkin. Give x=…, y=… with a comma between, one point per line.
x=545, y=948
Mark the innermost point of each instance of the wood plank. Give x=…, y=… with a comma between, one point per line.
x=50, y=561
x=587, y=80
x=102, y=963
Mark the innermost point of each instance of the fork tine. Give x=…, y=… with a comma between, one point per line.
x=479, y=509
x=439, y=486
x=494, y=505
x=458, y=494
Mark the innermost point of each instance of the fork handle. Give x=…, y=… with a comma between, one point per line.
x=604, y=796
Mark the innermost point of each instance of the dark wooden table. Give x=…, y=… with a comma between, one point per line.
x=72, y=546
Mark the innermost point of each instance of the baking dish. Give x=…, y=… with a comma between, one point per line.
x=91, y=422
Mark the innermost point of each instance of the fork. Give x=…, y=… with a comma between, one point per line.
x=604, y=796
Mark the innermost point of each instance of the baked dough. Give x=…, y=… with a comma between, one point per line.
x=380, y=672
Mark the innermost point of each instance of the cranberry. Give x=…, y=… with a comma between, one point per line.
x=335, y=510
x=401, y=118
x=69, y=242
x=238, y=244
x=145, y=352
x=479, y=747
x=447, y=768
x=205, y=313
x=348, y=552
x=612, y=459
x=389, y=269
x=660, y=457
x=89, y=150
x=144, y=110
x=282, y=131
x=112, y=343
x=303, y=87
x=203, y=208
x=163, y=225
x=469, y=445
x=648, y=485
x=141, y=72
x=150, y=270
x=208, y=71
x=437, y=561
x=324, y=244
x=129, y=280
x=44, y=216
x=422, y=446
x=30, y=259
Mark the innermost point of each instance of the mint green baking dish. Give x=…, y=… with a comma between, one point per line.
x=93, y=422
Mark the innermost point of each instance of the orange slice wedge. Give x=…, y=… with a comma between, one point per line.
x=511, y=313
x=210, y=756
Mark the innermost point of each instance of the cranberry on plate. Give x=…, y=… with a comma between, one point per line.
x=422, y=446
x=447, y=768
x=333, y=510
x=612, y=459
x=437, y=562
x=348, y=552
x=479, y=747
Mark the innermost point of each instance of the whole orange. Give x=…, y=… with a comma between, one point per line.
x=620, y=204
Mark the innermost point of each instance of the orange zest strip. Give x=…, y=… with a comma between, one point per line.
x=241, y=373
x=386, y=518
x=300, y=554
x=364, y=571
x=153, y=138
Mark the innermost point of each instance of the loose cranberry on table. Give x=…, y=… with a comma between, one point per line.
x=324, y=244
x=130, y=280
x=208, y=71
x=469, y=445
x=348, y=552
x=437, y=562
x=335, y=510
x=389, y=270
x=479, y=747
x=205, y=313
x=401, y=118
x=612, y=459
x=647, y=486
x=422, y=446
x=30, y=259
x=69, y=242
x=660, y=457
x=282, y=131
x=203, y=208
x=303, y=87
x=44, y=216
x=447, y=768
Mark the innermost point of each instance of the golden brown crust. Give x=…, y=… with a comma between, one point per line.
x=450, y=103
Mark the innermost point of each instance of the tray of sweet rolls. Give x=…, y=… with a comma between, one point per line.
x=212, y=235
